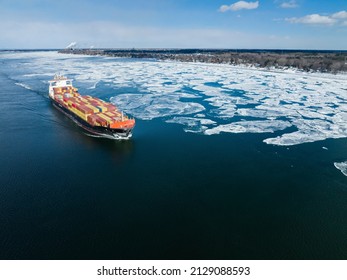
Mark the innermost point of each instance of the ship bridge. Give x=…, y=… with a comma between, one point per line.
x=59, y=81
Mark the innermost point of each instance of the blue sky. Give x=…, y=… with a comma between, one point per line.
x=284, y=24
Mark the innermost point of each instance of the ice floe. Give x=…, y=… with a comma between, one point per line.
x=342, y=166
x=150, y=106
x=194, y=125
x=250, y=127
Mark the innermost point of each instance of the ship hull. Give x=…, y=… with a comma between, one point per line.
x=94, y=130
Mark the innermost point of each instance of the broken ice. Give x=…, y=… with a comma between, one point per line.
x=212, y=99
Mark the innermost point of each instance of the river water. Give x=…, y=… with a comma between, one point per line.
x=225, y=163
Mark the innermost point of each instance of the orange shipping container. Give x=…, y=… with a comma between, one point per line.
x=92, y=119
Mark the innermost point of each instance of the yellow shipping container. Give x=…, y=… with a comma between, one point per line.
x=83, y=99
x=95, y=110
x=70, y=102
x=103, y=109
x=105, y=117
x=81, y=115
x=110, y=114
x=113, y=115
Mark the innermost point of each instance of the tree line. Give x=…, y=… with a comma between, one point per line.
x=320, y=61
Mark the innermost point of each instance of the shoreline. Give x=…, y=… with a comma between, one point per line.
x=333, y=62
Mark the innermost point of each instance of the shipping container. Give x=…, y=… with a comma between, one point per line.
x=84, y=109
x=113, y=115
x=101, y=108
x=101, y=121
x=92, y=119
x=96, y=120
x=105, y=117
x=68, y=95
x=111, y=107
x=95, y=110
x=79, y=113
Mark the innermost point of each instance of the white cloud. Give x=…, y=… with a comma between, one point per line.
x=240, y=5
x=340, y=15
x=71, y=45
x=289, y=5
x=314, y=19
x=224, y=8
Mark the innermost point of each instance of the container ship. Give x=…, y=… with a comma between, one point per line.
x=92, y=114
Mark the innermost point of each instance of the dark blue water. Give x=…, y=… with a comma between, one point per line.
x=165, y=194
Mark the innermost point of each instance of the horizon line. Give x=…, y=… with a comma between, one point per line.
x=206, y=49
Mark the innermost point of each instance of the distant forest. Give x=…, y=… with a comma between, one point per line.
x=319, y=61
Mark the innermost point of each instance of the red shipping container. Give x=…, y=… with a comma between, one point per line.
x=111, y=107
x=95, y=119
x=100, y=120
x=91, y=119
x=85, y=109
